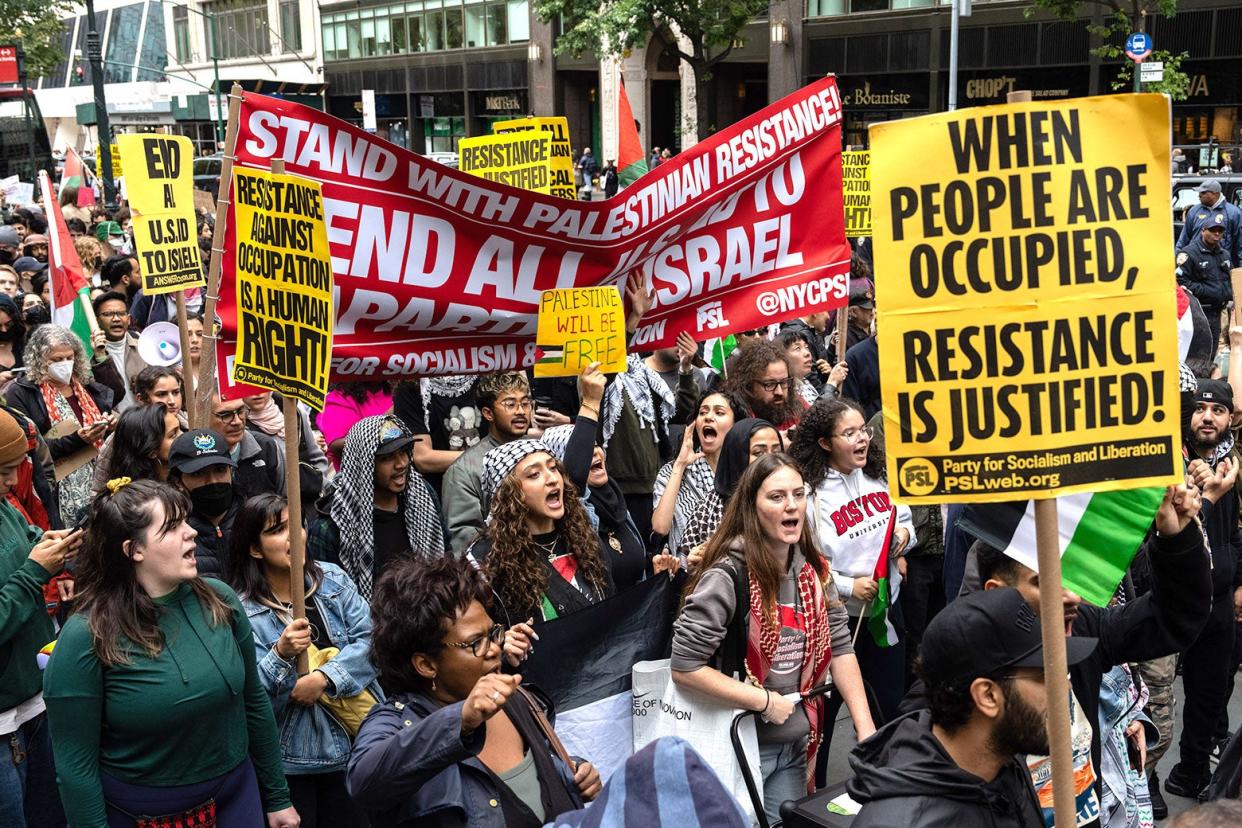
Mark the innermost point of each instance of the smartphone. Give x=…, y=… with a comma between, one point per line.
x=18, y=370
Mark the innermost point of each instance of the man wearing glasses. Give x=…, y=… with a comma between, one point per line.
x=112, y=311
x=505, y=403
x=259, y=457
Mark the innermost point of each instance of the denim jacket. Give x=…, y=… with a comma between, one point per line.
x=1125, y=800
x=311, y=740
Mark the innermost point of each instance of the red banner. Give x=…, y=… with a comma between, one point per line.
x=440, y=272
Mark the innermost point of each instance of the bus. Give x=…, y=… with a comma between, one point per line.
x=24, y=148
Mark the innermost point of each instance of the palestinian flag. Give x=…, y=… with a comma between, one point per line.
x=1099, y=534
x=878, y=625
x=719, y=350
x=583, y=662
x=68, y=288
x=1185, y=323
x=631, y=162
x=75, y=175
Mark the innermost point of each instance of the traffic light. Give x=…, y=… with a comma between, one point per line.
x=78, y=74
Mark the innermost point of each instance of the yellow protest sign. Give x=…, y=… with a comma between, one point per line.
x=856, y=189
x=562, y=153
x=1027, y=330
x=284, y=285
x=578, y=326
x=160, y=188
x=117, y=166
x=522, y=160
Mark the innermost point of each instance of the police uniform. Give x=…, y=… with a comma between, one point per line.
x=1204, y=271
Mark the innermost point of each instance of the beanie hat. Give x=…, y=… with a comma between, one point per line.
x=501, y=460
x=12, y=439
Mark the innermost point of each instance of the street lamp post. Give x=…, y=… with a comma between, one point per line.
x=27, y=95
x=94, y=56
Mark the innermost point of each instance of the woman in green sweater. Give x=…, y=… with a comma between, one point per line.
x=154, y=700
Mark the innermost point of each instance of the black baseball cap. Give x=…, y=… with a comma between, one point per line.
x=862, y=297
x=985, y=632
x=196, y=450
x=394, y=436
x=1214, y=391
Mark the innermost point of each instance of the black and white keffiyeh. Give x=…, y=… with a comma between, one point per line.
x=353, y=504
x=642, y=386
x=498, y=462
x=556, y=439
x=453, y=385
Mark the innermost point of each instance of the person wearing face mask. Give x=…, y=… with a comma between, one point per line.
x=69, y=408
x=9, y=242
x=12, y=338
x=111, y=235
x=200, y=465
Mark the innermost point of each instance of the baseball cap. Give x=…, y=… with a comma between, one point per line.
x=28, y=264
x=394, y=436
x=35, y=238
x=984, y=632
x=1209, y=186
x=108, y=228
x=196, y=450
x=1216, y=223
x=9, y=237
x=1214, y=391
x=862, y=297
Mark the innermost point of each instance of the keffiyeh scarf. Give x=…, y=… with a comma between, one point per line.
x=353, y=505
x=498, y=462
x=643, y=387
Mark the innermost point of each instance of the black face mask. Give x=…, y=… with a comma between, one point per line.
x=212, y=499
x=8, y=336
x=7, y=256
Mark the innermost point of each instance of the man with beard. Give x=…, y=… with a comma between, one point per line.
x=960, y=761
x=117, y=273
x=760, y=375
x=505, y=403
x=1206, y=663
x=112, y=311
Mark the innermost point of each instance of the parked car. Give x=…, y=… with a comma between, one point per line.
x=448, y=159
x=207, y=173
x=1186, y=194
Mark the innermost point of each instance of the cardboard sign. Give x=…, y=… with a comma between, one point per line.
x=522, y=160
x=161, y=198
x=578, y=326
x=856, y=189
x=1029, y=342
x=284, y=285
x=563, y=185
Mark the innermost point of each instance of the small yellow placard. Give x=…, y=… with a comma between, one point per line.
x=578, y=326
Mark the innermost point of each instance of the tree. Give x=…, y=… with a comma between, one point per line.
x=1121, y=18
x=710, y=28
x=37, y=24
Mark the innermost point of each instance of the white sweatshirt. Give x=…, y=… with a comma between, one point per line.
x=850, y=514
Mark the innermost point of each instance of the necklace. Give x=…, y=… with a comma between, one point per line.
x=548, y=548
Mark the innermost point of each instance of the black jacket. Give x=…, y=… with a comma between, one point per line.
x=903, y=777
x=863, y=382
x=1167, y=620
x=1205, y=273
x=211, y=547
x=27, y=397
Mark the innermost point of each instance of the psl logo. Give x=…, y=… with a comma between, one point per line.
x=711, y=316
x=919, y=477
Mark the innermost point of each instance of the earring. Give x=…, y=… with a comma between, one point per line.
x=433, y=684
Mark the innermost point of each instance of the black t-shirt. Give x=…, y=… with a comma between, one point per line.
x=454, y=424
x=391, y=539
x=319, y=631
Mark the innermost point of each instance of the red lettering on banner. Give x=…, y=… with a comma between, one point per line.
x=851, y=513
x=440, y=272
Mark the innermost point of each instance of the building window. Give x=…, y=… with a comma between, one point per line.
x=519, y=20
x=153, y=56
x=121, y=52
x=242, y=26
x=181, y=34
x=290, y=26
x=424, y=26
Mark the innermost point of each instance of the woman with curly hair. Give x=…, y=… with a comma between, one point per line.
x=761, y=624
x=458, y=743
x=691, y=474
x=71, y=410
x=538, y=549
x=851, y=512
x=152, y=692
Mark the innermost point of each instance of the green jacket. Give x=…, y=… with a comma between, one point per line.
x=25, y=627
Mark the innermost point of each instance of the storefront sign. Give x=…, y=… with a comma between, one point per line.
x=9, y=72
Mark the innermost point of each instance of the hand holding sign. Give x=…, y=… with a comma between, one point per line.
x=577, y=327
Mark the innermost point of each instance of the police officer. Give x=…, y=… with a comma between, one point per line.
x=1211, y=204
x=1203, y=269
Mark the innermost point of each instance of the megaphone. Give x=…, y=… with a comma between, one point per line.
x=160, y=344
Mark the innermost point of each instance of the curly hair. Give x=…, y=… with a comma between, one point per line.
x=514, y=566
x=749, y=366
x=491, y=386
x=44, y=339
x=819, y=422
x=415, y=602
x=89, y=252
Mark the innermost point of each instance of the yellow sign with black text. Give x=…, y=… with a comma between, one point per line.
x=562, y=152
x=522, y=160
x=578, y=326
x=160, y=188
x=1028, y=324
x=856, y=191
x=284, y=285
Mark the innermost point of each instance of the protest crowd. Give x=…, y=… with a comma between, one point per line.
x=728, y=508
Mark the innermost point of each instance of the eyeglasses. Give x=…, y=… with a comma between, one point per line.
x=113, y=314
x=855, y=435
x=515, y=405
x=772, y=385
x=231, y=415
x=493, y=636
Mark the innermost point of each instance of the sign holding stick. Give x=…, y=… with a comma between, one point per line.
x=578, y=326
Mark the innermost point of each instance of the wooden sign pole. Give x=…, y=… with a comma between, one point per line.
x=1056, y=680
x=206, y=384
x=187, y=370
x=842, y=333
